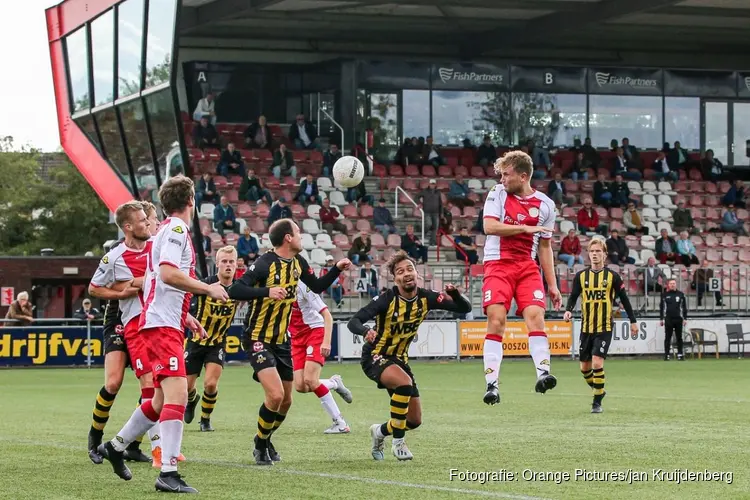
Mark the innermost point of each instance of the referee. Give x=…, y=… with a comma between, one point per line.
x=674, y=306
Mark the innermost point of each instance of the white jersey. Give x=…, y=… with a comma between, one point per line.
x=306, y=311
x=123, y=264
x=534, y=210
x=166, y=306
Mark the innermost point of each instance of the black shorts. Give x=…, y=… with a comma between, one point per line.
x=374, y=365
x=263, y=355
x=197, y=356
x=594, y=344
x=114, y=340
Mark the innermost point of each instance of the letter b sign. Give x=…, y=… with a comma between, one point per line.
x=549, y=79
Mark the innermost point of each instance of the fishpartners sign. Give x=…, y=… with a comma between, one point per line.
x=470, y=77
x=625, y=81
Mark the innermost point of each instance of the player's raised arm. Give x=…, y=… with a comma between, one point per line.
x=377, y=306
x=320, y=285
x=452, y=300
x=624, y=300
x=245, y=289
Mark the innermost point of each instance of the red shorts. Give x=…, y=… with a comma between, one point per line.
x=166, y=351
x=137, y=350
x=306, y=347
x=505, y=280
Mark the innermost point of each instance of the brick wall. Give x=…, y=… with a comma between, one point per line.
x=18, y=272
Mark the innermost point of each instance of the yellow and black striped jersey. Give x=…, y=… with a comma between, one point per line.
x=598, y=289
x=397, y=319
x=267, y=319
x=215, y=317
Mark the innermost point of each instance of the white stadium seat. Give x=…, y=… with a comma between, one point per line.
x=566, y=226
x=313, y=211
x=665, y=225
x=308, y=243
x=648, y=241
x=648, y=200
x=649, y=187
x=649, y=213
x=305, y=255
x=666, y=188
x=665, y=214
x=666, y=201
x=337, y=198
x=651, y=227
x=474, y=185
x=265, y=241
x=310, y=226
x=324, y=184
x=633, y=253
x=207, y=211
x=646, y=254
x=667, y=270
x=635, y=187
x=488, y=183
x=318, y=256
x=323, y=240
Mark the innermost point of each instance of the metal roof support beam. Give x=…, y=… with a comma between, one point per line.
x=557, y=23
x=193, y=17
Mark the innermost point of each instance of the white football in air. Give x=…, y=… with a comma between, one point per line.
x=348, y=171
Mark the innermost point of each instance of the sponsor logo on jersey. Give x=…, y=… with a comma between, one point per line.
x=258, y=346
x=178, y=230
x=534, y=212
x=105, y=259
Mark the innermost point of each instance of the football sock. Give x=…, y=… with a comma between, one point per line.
x=399, y=408
x=266, y=420
x=102, y=406
x=493, y=356
x=154, y=437
x=170, y=422
x=207, y=404
x=588, y=376
x=539, y=349
x=598, y=384
x=330, y=384
x=192, y=395
x=143, y=418
x=327, y=401
x=135, y=445
x=278, y=421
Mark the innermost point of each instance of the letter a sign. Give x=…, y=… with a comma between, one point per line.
x=6, y=296
x=361, y=285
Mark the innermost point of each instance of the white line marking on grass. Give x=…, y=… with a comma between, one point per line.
x=296, y=472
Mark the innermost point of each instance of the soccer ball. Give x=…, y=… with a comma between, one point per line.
x=348, y=171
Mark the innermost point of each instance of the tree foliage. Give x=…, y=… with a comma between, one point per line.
x=54, y=209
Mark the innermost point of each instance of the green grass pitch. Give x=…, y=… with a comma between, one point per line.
x=693, y=415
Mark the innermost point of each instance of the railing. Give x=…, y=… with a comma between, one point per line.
x=398, y=188
x=467, y=265
x=357, y=148
x=321, y=110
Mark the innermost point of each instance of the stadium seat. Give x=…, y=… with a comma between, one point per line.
x=412, y=171
x=480, y=239
x=477, y=172
x=729, y=255
x=394, y=241
x=310, y=226
x=323, y=240
x=350, y=211
x=313, y=211
x=713, y=213
x=744, y=256
x=244, y=210
x=428, y=171
x=262, y=210
x=665, y=201
x=396, y=171
x=728, y=240
x=649, y=214
x=308, y=242
x=337, y=198
x=470, y=213
x=635, y=187
x=207, y=211
x=666, y=269
x=324, y=184
x=651, y=227
x=664, y=225
x=664, y=214
x=377, y=241
x=363, y=225
x=489, y=183
x=649, y=201
x=646, y=254
x=474, y=184
x=713, y=255
x=341, y=241
x=616, y=213
x=298, y=211
x=650, y=187
x=232, y=239
x=666, y=188
x=305, y=255
x=366, y=211
x=379, y=170
x=566, y=226
x=265, y=241
x=648, y=241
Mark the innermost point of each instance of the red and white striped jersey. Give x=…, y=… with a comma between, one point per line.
x=123, y=264
x=166, y=306
x=306, y=311
x=534, y=210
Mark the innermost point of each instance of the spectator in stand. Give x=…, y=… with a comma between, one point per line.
x=280, y=210
x=539, y=154
x=602, y=193
x=330, y=158
x=383, y=220
x=712, y=168
x=231, y=162
x=86, y=312
x=686, y=249
x=735, y=195
x=21, y=310
x=205, y=135
x=486, y=153
x=406, y=154
x=588, y=219
x=206, y=244
x=308, y=191
x=205, y=109
x=258, y=135
x=666, y=248
x=302, y=134
x=683, y=219
x=247, y=247
x=458, y=193
x=359, y=194
x=251, y=189
x=413, y=246
x=620, y=165
x=360, y=249
x=678, y=157
x=617, y=250
x=371, y=278
x=701, y=279
x=613, y=146
x=329, y=218
x=283, y=161
x=661, y=168
x=432, y=204
x=570, y=249
x=653, y=277
x=591, y=153
x=633, y=221
x=581, y=166
x=206, y=191
x=224, y=218
x=730, y=223
x=620, y=192
x=557, y=192
x=631, y=152
x=446, y=219
x=466, y=243
x=336, y=291
x=431, y=154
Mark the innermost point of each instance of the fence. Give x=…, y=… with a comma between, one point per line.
x=54, y=345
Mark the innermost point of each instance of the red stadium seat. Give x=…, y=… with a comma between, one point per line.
x=445, y=171
x=232, y=196
x=220, y=181
x=396, y=171
x=341, y=241
x=379, y=170
x=429, y=171
x=366, y=211
x=298, y=211
x=262, y=210
x=477, y=172
x=350, y=212
x=412, y=171
x=257, y=225
x=377, y=240
x=363, y=225
x=394, y=241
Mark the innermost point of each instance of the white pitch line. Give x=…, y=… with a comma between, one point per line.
x=295, y=472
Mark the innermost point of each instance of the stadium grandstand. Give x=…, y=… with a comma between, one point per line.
x=427, y=94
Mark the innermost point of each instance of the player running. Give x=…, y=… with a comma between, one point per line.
x=518, y=221
x=169, y=281
x=216, y=318
x=118, y=279
x=597, y=286
x=310, y=332
x=270, y=286
x=398, y=312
